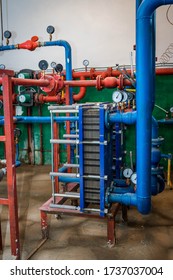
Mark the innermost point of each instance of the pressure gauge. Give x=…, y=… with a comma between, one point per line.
x=130, y=96
x=125, y=96
x=2, y=66
x=7, y=34
x=43, y=64
x=53, y=64
x=59, y=68
x=127, y=173
x=171, y=109
x=85, y=62
x=134, y=178
x=117, y=96
x=50, y=29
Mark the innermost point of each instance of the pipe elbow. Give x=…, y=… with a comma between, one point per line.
x=80, y=95
x=144, y=205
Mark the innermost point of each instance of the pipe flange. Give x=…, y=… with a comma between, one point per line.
x=157, y=141
x=157, y=170
x=98, y=82
x=121, y=82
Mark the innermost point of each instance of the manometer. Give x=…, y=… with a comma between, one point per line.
x=127, y=173
x=50, y=29
x=130, y=96
x=53, y=64
x=117, y=96
x=2, y=66
x=7, y=34
x=58, y=68
x=43, y=64
x=134, y=178
x=125, y=96
x=85, y=62
x=171, y=109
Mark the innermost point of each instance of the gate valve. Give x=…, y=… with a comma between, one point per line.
x=30, y=45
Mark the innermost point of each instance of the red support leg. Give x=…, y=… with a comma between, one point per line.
x=44, y=224
x=10, y=163
x=0, y=237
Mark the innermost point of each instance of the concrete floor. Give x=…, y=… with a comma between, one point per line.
x=75, y=238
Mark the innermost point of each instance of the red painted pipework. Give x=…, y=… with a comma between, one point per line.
x=45, y=98
x=81, y=93
x=29, y=82
x=109, y=72
x=99, y=83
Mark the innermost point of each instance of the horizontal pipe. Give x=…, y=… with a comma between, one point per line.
x=29, y=82
x=127, y=198
x=28, y=119
x=165, y=121
x=126, y=118
x=70, y=175
x=93, y=73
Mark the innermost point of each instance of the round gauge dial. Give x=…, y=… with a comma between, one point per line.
x=134, y=178
x=43, y=64
x=7, y=34
x=85, y=62
x=50, y=29
x=130, y=96
x=53, y=64
x=171, y=109
x=127, y=173
x=59, y=68
x=125, y=96
x=117, y=96
x=2, y=66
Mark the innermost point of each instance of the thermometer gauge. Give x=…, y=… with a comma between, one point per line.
x=171, y=109
x=134, y=178
x=127, y=173
x=117, y=96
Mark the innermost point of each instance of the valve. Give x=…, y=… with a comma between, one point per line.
x=7, y=35
x=50, y=30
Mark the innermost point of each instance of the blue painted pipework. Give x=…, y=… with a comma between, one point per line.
x=33, y=119
x=145, y=91
x=68, y=59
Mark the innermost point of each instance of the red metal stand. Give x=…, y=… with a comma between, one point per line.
x=8, y=138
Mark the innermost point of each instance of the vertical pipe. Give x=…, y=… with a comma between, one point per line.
x=81, y=164
x=68, y=60
x=11, y=172
x=145, y=92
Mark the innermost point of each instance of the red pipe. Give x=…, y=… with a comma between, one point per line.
x=99, y=83
x=109, y=72
x=81, y=93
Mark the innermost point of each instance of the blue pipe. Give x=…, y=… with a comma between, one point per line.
x=26, y=119
x=68, y=60
x=120, y=190
x=8, y=48
x=126, y=118
x=165, y=121
x=145, y=87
